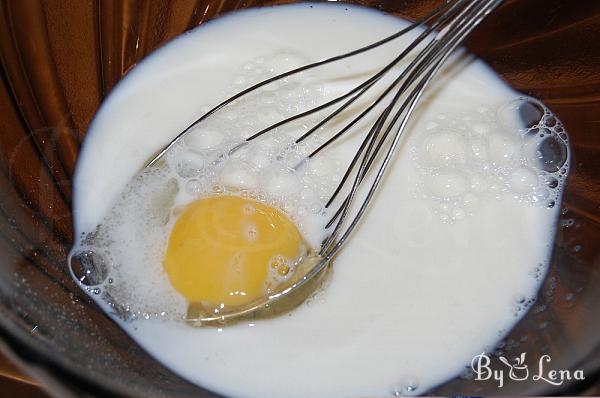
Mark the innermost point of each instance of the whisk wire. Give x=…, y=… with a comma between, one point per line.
x=362, y=87
x=449, y=40
x=441, y=32
x=372, y=106
x=415, y=67
x=300, y=69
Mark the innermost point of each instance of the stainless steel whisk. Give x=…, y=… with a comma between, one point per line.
x=440, y=33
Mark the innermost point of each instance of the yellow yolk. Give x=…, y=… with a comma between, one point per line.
x=221, y=249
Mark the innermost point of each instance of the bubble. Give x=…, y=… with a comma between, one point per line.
x=261, y=152
x=569, y=222
x=478, y=183
x=504, y=149
x=221, y=157
x=549, y=120
x=411, y=384
x=307, y=195
x=541, y=194
x=551, y=182
x=319, y=166
x=217, y=188
x=522, y=112
x=444, y=148
x=202, y=139
x=552, y=154
x=284, y=62
x=479, y=150
x=193, y=186
x=280, y=182
x=530, y=111
x=293, y=159
x=251, y=232
x=301, y=211
x=470, y=200
x=537, y=132
x=316, y=208
x=481, y=127
x=446, y=183
x=519, y=299
x=524, y=180
x=454, y=214
x=283, y=270
x=281, y=266
x=189, y=164
x=259, y=159
x=408, y=386
x=89, y=266
x=238, y=175
x=248, y=209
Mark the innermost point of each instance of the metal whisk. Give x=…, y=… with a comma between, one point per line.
x=440, y=33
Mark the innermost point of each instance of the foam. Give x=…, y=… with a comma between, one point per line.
x=447, y=260
x=514, y=149
x=207, y=163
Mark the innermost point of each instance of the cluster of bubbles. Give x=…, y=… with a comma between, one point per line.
x=281, y=268
x=538, y=272
x=518, y=150
x=118, y=260
x=521, y=304
x=208, y=161
x=272, y=168
x=281, y=265
x=408, y=386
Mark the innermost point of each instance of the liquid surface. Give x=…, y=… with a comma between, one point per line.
x=444, y=264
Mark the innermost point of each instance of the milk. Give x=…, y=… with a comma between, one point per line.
x=439, y=269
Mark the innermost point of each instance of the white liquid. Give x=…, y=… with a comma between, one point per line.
x=437, y=272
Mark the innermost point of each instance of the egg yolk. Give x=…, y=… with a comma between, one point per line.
x=223, y=249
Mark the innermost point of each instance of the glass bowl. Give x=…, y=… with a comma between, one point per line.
x=59, y=59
